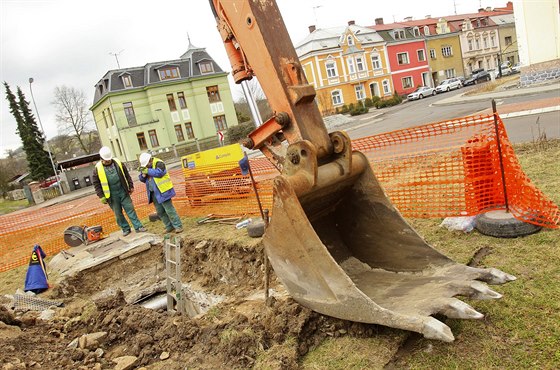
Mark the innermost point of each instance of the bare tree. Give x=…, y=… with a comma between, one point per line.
x=73, y=115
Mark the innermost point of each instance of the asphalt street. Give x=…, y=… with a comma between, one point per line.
x=523, y=128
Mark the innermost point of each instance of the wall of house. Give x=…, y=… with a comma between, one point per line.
x=481, y=56
x=152, y=112
x=440, y=64
x=537, y=25
x=414, y=69
x=508, y=52
x=315, y=69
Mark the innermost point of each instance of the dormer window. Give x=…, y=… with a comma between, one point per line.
x=168, y=73
x=350, y=40
x=426, y=30
x=127, y=81
x=206, y=67
x=399, y=35
x=416, y=32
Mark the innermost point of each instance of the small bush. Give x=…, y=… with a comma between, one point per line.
x=359, y=110
x=394, y=100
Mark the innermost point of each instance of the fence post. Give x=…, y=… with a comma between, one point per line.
x=498, y=141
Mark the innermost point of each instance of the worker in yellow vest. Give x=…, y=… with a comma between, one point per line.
x=160, y=191
x=113, y=185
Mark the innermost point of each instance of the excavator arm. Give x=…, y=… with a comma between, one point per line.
x=335, y=240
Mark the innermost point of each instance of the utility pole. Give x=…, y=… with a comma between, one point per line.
x=116, y=57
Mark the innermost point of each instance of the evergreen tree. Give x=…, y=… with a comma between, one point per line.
x=37, y=157
x=14, y=109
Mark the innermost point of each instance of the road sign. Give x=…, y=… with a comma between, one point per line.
x=221, y=137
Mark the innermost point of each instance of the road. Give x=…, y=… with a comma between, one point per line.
x=419, y=112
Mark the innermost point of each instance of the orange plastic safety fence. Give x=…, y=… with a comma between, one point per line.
x=448, y=168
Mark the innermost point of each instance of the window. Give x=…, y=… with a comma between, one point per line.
x=127, y=81
x=105, y=119
x=336, y=97
x=492, y=41
x=153, y=138
x=220, y=123
x=426, y=30
x=433, y=53
x=450, y=73
x=129, y=113
x=331, y=69
x=351, y=68
x=171, y=103
x=168, y=73
x=179, y=133
x=485, y=41
x=399, y=34
x=182, y=101
x=477, y=42
x=189, y=130
x=360, y=94
x=376, y=62
x=142, y=141
x=119, y=147
x=206, y=67
x=350, y=40
x=447, y=51
x=508, y=40
x=416, y=32
x=360, y=64
x=213, y=94
x=470, y=45
x=407, y=82
x=386, y=88
x=402, y=58
x=110, y=117
x=421, y=55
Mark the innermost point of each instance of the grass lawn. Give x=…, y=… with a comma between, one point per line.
x=7, y=206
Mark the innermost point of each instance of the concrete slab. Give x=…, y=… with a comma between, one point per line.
x=112, y=247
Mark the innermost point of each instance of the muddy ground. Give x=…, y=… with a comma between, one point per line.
x=242, y=331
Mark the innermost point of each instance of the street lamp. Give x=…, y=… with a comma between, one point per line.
x=46, y=141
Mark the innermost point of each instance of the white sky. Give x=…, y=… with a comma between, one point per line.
x=65, y=42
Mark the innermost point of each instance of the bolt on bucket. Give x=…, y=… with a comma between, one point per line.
x=342, y=249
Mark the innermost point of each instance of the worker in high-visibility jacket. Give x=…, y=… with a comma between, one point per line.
x=160, y=191
x=113, y=185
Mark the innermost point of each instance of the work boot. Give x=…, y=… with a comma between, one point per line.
x=179, y=230
x=141, y=230
x=125, y=232
x=169, y=229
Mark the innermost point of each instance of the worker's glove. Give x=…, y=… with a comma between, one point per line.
x=103, y=200
x=143, y=170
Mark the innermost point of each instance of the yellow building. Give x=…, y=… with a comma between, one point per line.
x=444, y=56
x=508, y=38
x=346, y=65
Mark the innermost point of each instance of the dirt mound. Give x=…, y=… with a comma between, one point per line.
x=240, y=332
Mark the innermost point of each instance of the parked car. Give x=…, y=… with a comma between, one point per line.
x=449, y=84
x=478, y=75
x=506, y=69
x=421, y=93
x=516, y=68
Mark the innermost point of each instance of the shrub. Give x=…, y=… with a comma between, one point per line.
x=237, y=133
x=359, y=110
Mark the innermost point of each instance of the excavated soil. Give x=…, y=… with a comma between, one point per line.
x=242, y=331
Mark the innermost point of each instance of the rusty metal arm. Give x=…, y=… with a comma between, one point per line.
x=270, y=55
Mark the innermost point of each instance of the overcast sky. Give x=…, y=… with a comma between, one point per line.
x=72, y=43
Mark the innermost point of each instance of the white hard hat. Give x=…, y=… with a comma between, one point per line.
x=144, y=159
x=105, y=153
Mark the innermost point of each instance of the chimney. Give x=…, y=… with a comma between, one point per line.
x=428, y=16
x=312, y=28
x=407, y=19
x=480, y=10
x=351, y=23
x=488, y=8
x=378, y=21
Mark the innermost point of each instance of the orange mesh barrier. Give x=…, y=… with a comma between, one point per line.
x=448, y=168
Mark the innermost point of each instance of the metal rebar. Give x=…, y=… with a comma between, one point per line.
x=502, y=171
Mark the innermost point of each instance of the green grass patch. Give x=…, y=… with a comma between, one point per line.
x=7, y=206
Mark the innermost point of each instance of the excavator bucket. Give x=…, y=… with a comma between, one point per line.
x=335, y=240
x=342, y=249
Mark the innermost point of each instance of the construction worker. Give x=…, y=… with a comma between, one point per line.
x=160, y=190
x=113, y=185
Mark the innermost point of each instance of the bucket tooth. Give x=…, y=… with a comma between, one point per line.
x=481, y=291
x=457, y=309
x=495, y=276
x=435, y=329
